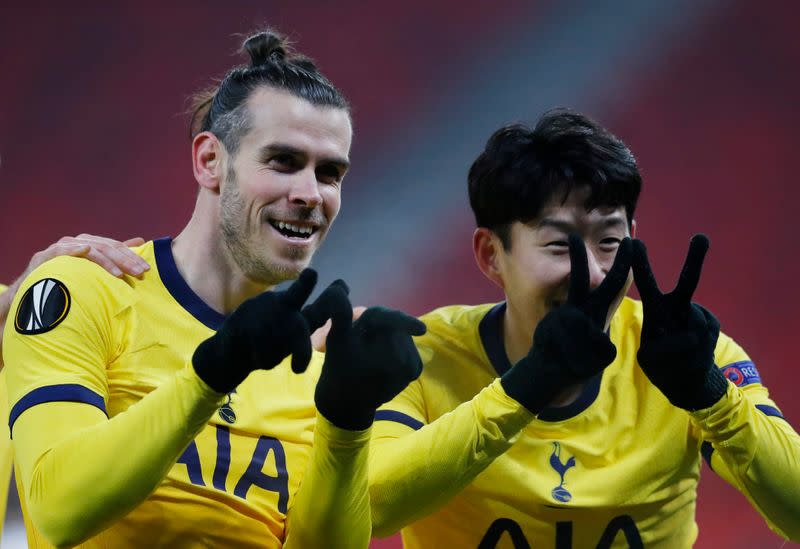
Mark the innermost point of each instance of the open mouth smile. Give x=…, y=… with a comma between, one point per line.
x=294, y=230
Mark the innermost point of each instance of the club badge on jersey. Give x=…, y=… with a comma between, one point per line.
x=43, y=307
x=560, y=493
x=226, y=411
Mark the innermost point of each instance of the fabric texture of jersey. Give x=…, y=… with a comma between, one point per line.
x=6, y=452
x=617, y=468
x=236, y=482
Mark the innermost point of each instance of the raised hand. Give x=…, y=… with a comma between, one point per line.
x=259, y=334
x=676, y=351
x=570, y=344
x=367, y=362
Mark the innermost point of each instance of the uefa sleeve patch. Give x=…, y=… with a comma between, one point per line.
x=741, y=373
x=43, y=307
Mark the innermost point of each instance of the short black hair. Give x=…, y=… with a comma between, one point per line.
x=520, y=169
x=222, y=110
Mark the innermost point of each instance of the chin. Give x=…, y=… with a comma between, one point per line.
x=289, y=269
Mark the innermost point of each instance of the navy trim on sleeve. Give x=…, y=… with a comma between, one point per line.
x=491, y=332
x=178, y=287
x=770, y=411
x=68, y=392
x=707, y=450
x=398, y=417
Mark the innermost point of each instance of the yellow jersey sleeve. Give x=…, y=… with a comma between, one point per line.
x=332, y=507
x=5, y=304
x=411, y=474
x=65, y=328
x=6, y=453
x=747, y=441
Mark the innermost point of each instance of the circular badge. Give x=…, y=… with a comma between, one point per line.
x=43, y=307
x=734, y=374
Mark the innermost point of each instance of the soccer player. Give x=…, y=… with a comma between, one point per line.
x=112, y=255
x=592, y=435
x=167, y=411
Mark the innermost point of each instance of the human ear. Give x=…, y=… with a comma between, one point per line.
x=486, y=246
x=207, y=154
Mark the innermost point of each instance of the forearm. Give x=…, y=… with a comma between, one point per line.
x=413, y=475
x=331, y=508
x=78, y=483
x=760, y=455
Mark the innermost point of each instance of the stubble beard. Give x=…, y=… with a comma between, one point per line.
x=240, y=245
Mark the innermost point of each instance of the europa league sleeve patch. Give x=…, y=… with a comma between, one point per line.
x=43, y=307
x=742, y=373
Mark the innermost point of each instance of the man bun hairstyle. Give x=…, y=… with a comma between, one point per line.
x=521, y=168
x=263, y=47
x=222, y=110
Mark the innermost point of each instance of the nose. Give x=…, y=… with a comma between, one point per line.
x=596, y=271
x=305, y=189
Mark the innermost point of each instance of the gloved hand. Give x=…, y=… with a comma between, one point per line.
x=259, y=334
x=570, y=344
x=367, y=362
x=676, y=351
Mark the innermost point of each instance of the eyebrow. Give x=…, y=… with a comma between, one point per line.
x=282, y=148
x=566, y=226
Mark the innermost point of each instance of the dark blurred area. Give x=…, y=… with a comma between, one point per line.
x=93, y=138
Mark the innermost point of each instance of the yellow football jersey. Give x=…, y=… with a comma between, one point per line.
x=83, y=336
x=6, y=453
x=617, y=468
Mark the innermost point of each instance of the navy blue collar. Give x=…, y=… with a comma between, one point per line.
x=180, y=290
x=491, y=332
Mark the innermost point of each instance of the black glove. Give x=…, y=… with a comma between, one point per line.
x=676, y=351
x=570, y=344
x=367, y=362
x=259, y=334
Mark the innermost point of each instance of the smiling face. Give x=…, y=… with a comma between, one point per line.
x=281, y=191
x=534, y=270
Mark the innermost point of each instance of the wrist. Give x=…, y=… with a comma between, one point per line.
x=715, y=386
x=209, y=365
x=522, y=385
x=342, y=411
x=338, y=437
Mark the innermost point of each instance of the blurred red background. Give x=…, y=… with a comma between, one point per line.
x=93, y=139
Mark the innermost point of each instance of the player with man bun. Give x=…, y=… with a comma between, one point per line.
x=172, y=410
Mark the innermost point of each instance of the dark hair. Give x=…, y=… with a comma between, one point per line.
x=222, y=110
x=522, y=168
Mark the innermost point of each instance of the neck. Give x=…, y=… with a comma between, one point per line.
x=206, y=265
x=518, y=328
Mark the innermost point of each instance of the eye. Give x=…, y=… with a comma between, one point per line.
x=284, y=163
x=329, y=174
x=558, y=246
x=610, y=244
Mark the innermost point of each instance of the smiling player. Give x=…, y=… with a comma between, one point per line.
x=592, y=436
x=167, y=410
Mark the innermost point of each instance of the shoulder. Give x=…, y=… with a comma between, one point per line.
x=454, y=319
x=68, y=285
x=453, y=336
x=77, y=275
